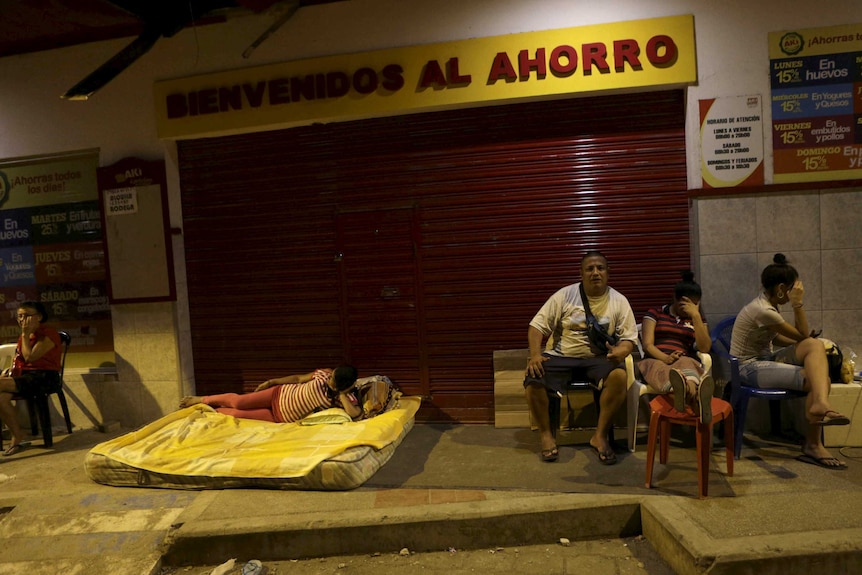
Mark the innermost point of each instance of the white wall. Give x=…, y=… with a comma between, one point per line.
x=732, y=60
x=731, y=47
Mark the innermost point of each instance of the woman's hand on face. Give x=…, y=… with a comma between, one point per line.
x=796, y=293
x=688, y=307
x=29, y=324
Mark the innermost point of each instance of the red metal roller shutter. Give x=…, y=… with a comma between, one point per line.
x=301, y=244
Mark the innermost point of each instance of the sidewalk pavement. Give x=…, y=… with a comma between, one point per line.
x=446, y=487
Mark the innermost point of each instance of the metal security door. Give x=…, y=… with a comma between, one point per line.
x=380, y=317
x=499, y=203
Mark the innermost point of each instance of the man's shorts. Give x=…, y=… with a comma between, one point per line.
x=560, y=370
x=31, y=381
x=778, y=371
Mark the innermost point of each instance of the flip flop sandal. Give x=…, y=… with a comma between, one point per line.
x=837, y=419
x=677, y=383
x=605, y=457
x=13, y=450
x=550, y=455
x=705, y=391
x=821, y=461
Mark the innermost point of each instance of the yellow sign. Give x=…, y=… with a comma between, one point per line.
x=554, y=63
x=815, y=41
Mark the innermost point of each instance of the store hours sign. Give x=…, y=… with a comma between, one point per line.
x=731, y=133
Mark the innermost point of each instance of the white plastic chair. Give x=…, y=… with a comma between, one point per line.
x=7, y=353
x=638, y=389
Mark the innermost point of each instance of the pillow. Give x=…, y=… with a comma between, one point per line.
x=331, y=415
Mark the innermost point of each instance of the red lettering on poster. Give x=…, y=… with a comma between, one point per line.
x=527, y=64
x=563, y=61
x=502, y=69
x=661, y=51
x=626, y=51
x=557, y=67
x=595, y=53
x=432, y=76
x=365, y=81
x=454, y=74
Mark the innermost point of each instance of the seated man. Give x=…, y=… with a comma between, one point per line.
x=568, y=354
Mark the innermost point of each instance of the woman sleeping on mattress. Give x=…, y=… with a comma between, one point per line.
x=289, y=398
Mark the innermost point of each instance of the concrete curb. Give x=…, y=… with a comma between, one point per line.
x=473, y=525
x=690, y=550
x=664, y=521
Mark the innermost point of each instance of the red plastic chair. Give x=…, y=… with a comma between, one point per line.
x=663, y=415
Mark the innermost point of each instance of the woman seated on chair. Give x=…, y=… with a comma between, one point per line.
x=800, y=363
x=671, y=335
x=36, y=363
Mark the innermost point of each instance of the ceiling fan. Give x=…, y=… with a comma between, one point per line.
x=165, y=18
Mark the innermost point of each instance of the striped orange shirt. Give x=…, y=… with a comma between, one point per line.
x=672, y=333
x=293, y=401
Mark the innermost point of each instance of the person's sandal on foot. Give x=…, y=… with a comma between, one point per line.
x=827, y=462
x=17, y=448
x=677, y=383
x=705, y=391
x=606, y=457
x=832, y=417
x=550, y=455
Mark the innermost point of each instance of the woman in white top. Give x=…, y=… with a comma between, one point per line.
x=798, y=363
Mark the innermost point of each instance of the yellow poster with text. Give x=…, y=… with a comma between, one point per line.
x=51, y=252
x=640, y=54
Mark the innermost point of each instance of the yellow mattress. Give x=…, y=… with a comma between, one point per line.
x=199, y=448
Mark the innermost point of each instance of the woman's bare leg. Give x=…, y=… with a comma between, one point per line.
x=9, y=415
x=811, y=354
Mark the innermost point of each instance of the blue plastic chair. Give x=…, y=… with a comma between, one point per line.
x=741, y=393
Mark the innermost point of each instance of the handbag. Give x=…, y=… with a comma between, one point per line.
x=376, y=394
x=599, y=338
x=17, y=367
x=835, y=361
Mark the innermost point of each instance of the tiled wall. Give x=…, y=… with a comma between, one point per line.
x=146, y=384
x=819, y=231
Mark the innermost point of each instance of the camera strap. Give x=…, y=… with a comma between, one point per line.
x=593, y=325
x=586, y=301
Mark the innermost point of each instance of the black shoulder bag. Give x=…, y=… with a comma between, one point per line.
x=599, y=338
